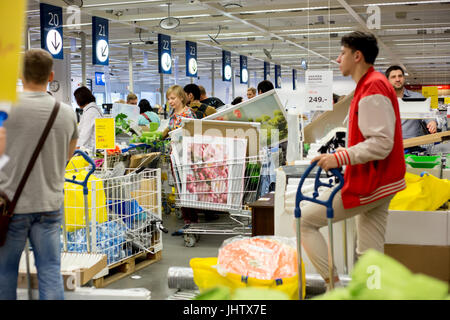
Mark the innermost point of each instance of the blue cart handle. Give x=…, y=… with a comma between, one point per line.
x=91, y=171
x=329, y=203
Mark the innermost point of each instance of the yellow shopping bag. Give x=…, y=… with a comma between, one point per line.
x=74, y=201
x=77, y=163
x=206, y=277
x=425, y=193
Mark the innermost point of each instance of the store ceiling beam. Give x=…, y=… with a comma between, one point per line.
x=364, y=26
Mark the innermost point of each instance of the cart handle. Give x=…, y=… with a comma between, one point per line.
x=328, y=203
x=135, y=146
x=91, y=171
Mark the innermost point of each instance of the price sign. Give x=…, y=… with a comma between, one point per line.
x=100, y=42
x=226, y=66
x=191, y=59
x=52, y=30
x=164, y=54
x=319, y=90
x=277, y=76
x=266, y=70
x=105, y=133
x=431, y=92
x=243, y=69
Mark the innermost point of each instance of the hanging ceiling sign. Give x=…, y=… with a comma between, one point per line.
x=52, y=30
x=243, y=69
x=277, y=76
x=226, y=66
x=100, y=41
x=294, y=79
x=319, y=90
x=100, y=79
x=191, y=59
x=164, y=54
x=266, y=70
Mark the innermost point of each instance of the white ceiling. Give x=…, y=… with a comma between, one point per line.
x=415, y=34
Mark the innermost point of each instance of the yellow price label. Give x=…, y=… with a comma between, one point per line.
x=431, y=92
x=447, y=100
x=105, y=134
x=12, y=21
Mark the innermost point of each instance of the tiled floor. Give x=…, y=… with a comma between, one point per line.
x=174, y=254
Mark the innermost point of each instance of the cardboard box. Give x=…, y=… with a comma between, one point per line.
x=76, y=268
x=433, y=261
x=142, y=160
x=147, y=194
x=216, y=128
x=418, y=228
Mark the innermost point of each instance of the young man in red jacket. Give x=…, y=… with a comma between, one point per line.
x=374, y=160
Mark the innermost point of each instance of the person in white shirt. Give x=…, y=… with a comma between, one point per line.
x=86, y=100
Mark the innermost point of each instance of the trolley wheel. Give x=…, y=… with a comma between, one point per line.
x=189, y=240
x=178, y=214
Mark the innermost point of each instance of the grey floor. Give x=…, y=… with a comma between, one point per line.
x=174, y=254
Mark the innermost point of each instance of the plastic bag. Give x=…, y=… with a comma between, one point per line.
x=264, y=262
x=425, y=193
x=74, y=201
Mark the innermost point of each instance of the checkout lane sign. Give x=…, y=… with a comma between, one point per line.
x=277, y=76
x=100, y=41
x=164, y=54
x=266, y=70
x=51, y=30
x=244, y=70
x=191, y=59
x=226, y=66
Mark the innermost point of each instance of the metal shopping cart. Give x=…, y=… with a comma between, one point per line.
x=110, y=212
x=218, y=186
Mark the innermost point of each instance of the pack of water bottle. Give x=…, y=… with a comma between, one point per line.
x=111, y=240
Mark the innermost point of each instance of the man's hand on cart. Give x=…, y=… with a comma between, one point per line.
x=326, y=161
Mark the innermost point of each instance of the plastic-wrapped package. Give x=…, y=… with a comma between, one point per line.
x=264, y=257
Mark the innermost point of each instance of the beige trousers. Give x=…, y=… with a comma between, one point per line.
x=371, y=220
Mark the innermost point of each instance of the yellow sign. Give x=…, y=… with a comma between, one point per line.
x=105, y=134
x=431, y=92
x=12, y=21
x=447, y=100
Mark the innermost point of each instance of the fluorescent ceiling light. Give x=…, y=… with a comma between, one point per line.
x=404, y=3
x=282, y=10
x=117, y=3
x=175, y=16
x=421, y=43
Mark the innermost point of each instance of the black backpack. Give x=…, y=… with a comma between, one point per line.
x=200, y=112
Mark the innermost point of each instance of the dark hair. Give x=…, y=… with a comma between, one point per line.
x=265, y=86
x=392, y=68
x=144, y=106
x=237, y=100
x=335, y=98
x=364, y=42
x=83, y=96
x=194, y=89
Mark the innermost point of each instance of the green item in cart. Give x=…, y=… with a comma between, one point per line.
x=422, y=161
x=217, y=293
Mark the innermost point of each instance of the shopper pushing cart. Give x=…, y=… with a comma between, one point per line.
x=373, y=159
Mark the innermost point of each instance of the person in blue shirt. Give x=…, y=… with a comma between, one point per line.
x=147, y=114
x=410, y=127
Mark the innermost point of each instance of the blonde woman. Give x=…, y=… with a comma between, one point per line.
x=177, y=99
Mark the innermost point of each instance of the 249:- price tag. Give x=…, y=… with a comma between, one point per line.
x=319, y=90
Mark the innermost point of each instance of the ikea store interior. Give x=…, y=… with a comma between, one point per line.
x=220, y=150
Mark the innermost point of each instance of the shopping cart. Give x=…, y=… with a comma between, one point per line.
x=330, y=214
x=110, y=212
x=218, y=186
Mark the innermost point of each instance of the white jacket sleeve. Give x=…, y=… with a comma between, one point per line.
x=376, y=121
